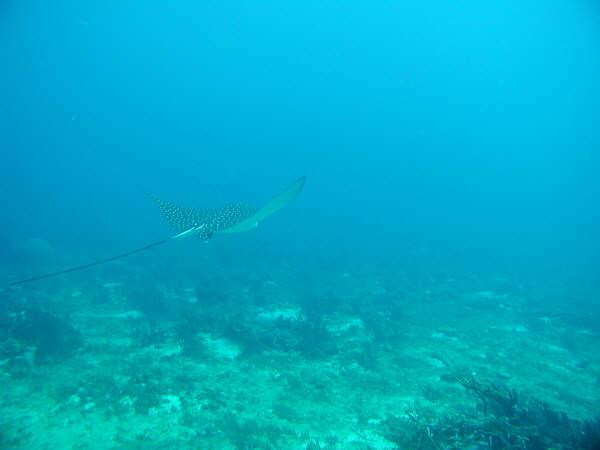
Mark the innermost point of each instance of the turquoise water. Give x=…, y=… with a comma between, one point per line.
x=433, y=286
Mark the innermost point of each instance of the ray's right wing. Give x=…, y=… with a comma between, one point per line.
x=275, y=204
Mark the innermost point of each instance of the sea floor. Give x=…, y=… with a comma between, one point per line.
x=280, y=363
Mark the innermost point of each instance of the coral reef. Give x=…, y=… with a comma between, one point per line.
x=340, y=361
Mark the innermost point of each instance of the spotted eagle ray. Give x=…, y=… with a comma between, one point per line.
x=187, y=222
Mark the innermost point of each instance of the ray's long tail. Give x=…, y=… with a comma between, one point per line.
x=92, y=264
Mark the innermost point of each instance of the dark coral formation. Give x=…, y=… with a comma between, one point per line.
x=31, y=335
x=503, y=420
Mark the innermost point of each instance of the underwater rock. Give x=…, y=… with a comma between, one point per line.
x=219, y=347
x=271, y=315
x=170, y=404
x=282, y=329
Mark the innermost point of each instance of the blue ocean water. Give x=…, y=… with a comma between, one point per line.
x=451, y=150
